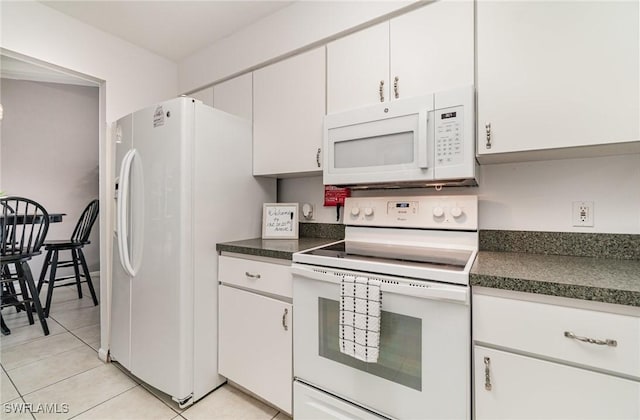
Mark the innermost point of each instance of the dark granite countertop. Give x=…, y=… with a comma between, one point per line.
x=598, y=279
x=273, y=248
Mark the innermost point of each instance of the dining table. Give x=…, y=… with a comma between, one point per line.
x=10, y=219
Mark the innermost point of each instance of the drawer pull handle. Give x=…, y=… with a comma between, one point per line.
x=251, y=276
x=487, y=373
x=284, y=319
x=607, y=342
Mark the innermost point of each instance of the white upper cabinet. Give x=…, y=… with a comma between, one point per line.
x=432, y=48
x=424, y=51
x=289, y=107
x=358, y=69
x=555, y=75
x=235, y=96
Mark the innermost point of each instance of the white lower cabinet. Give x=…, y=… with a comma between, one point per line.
x=255, y=336
x=512, y=386
x=537, y=357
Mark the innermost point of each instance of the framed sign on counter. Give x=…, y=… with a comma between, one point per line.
x=280, y=221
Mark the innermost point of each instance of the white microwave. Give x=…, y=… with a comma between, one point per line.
x=420, y=141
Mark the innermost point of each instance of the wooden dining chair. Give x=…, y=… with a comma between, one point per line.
x=23, y=228
x=79, y=238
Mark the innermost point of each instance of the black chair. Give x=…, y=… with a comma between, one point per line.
x=79, y=238
x=23, y=228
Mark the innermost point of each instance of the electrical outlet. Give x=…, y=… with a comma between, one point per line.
x=582, y=214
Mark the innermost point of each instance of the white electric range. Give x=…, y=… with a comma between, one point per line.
x=421, y=250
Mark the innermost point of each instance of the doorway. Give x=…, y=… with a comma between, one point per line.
x=50, y=151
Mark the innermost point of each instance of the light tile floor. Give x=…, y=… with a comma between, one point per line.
x=60, y=376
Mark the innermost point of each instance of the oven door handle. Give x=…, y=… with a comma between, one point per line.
x=419, y=289
x=459, y=294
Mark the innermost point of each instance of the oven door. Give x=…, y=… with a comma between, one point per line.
x=423, y=369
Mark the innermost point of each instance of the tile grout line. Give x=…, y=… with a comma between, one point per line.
x=84, y=342
x=20, y=396
x=142, y=384
x=52, y=354
x=61, y=380
x=108, y=399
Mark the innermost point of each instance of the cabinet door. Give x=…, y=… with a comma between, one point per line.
x=557, y=74
x=255, y=344
x=288, y=113
x=527, y=388
x=357, y=67
x=235, y=96
x=432, y=48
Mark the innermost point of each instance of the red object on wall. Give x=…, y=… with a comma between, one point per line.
x=335, y=195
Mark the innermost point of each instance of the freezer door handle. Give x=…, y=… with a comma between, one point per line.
x=122, y=212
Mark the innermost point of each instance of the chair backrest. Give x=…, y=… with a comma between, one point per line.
x=23, y=226
x=85, y=223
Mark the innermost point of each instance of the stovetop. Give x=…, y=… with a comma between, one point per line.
x=423, y=237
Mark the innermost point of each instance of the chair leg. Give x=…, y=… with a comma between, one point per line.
x=11, y=288
x=24, y=291
x=5, y=329
x=76, y=270
x=43, y=273
x=52, y=280
x=87, y=276
x=28, y=278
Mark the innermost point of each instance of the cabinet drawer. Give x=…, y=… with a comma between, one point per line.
x=257, y=275
x=542, y=329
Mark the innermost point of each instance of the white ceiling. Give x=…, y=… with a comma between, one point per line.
x=173, y=29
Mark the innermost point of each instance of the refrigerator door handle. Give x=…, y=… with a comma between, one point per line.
x=122, y=212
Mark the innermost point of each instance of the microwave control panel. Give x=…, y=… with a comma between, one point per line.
x=449, y=136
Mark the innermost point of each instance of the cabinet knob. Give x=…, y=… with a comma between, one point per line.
x=318, y=156
x=381, y=90
x=395, y=87
x=487, y=127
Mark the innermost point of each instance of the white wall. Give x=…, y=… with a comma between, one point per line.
x=133, y=78
x=49, y=153
x=297, y=26
x=526, y=195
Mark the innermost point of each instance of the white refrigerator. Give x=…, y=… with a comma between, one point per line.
x=184, y=183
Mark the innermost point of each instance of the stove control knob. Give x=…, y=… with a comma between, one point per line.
x=438, y=211
x=355, y=211
x=368, y=211
x=456, y=212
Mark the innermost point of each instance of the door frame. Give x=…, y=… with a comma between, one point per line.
x=105, y=192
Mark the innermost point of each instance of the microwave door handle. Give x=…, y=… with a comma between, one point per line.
x=425, y=139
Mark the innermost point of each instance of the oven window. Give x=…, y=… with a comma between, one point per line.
x=377, y=151
x=400, y=357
